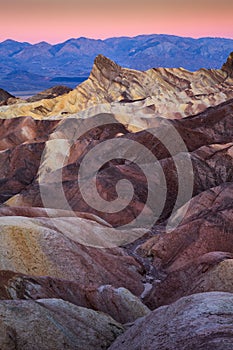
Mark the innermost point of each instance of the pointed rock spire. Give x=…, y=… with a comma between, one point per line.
x=228, y=65
x=106, y=67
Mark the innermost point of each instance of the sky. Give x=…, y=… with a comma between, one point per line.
x=58, y=20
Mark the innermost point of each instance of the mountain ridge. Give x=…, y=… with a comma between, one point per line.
x=169, y=92
x=75, y=56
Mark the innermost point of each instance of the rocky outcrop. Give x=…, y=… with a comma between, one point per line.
x=228, y=66
x=196, y=322
x=4, y=95
x=119, y=303
x=54, y=324
x=171, y=93
x=197, y=256
x=50, y=93
x=209, y=272
x=205, y=228
x=6, y=98
x=18, y=168
x=14, y=132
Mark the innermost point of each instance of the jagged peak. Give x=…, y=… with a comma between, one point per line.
x=4, y=95
x=228, y=65
x=105, y=64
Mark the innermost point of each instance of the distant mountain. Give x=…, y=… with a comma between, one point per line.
x=72, y=60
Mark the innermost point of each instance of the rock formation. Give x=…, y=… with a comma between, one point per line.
x=77, y=276
x=70, y=61
x=6, y=98
x=196, y=256
x=228, y=66
x=54, y=324
x=197, y=322
x=172, y=93
x=119, y=303
x=50, y=93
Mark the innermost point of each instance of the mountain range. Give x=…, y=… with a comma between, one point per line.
x=26, y=66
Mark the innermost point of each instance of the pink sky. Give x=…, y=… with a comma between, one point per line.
x=57, y=20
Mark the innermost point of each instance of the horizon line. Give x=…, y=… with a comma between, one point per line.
x=114, y=37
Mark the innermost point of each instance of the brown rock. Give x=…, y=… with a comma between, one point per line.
x=209, y=272
x=211, y=166
x=197, y=255
x=197, y=322
x=19, y=166
x=4, y=96
x=228, y=66
x=172, y=93
x=206, y=227
x=50, y=93
x=14, y=132
x=119, y=303
x=212, y=163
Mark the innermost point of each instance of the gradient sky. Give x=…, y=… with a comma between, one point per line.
x=57, y=20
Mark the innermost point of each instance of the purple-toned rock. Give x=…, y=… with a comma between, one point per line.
x=198, y=322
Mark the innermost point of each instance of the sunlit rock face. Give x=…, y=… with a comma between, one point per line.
x=171, y=93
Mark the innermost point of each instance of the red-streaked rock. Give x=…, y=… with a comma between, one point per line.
x=197, y=255
x=49, y=247
x=206, y=227
x=119, y=303
x=210, y=272
x=16, y=131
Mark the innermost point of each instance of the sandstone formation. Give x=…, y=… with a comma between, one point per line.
x=172, y=93
x=206, y=227
x=14, y=132
x=197, y=322
x=156, y=145
x=209, y=272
